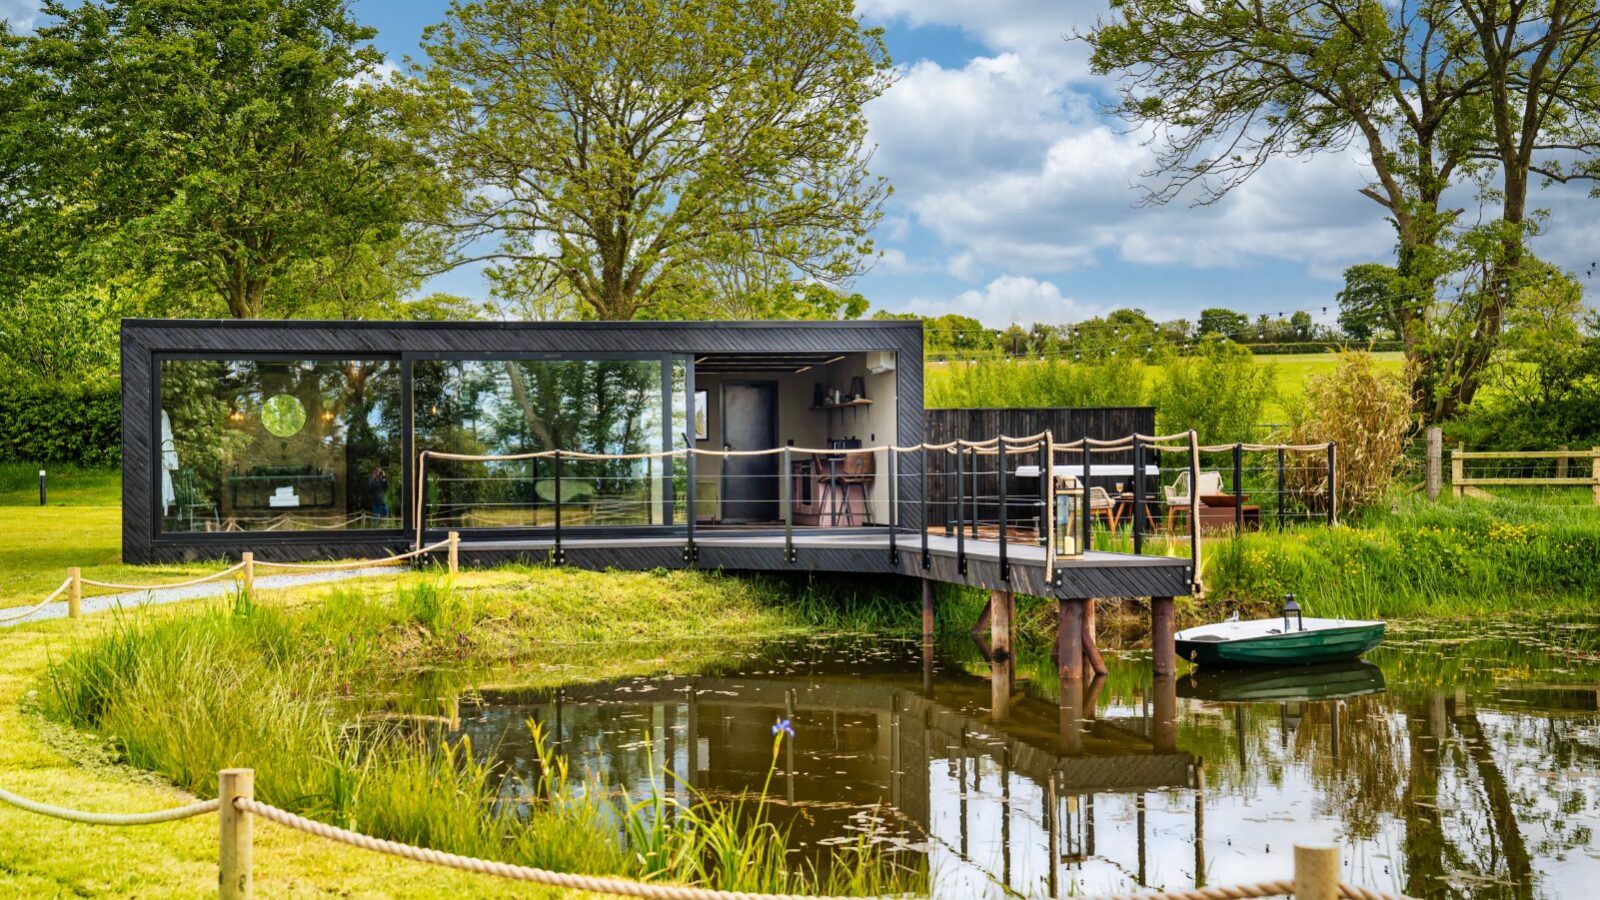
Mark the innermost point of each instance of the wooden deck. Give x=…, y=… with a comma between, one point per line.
x=865, y=551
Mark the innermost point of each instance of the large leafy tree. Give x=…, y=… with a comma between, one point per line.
x=217, y=145
x=1434, y=93
x=612, y=150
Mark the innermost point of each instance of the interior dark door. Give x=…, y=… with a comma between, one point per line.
x=750, y=422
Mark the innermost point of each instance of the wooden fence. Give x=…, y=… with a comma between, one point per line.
x=1586, y=472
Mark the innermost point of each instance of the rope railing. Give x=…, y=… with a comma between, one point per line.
x=1316, y=868
x=244, y=570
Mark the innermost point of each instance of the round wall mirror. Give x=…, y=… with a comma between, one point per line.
x=283, y=415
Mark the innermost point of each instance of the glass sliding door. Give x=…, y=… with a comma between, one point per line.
x=504, y=407
x=279, y=445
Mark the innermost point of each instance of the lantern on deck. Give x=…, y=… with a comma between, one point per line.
x=1068, y=501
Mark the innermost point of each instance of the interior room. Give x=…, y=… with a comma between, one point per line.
x=832, y=402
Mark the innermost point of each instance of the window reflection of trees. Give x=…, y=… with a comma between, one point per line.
x=508, y=407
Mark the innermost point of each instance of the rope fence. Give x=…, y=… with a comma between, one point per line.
x=1316, y=868
x=244, y=570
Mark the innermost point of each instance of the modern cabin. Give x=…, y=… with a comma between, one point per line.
x=304, y=440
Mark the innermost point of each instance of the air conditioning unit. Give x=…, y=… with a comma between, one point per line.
x=880, y=361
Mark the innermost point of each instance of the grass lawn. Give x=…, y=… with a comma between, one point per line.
x=1291, y=371
x=81, y=526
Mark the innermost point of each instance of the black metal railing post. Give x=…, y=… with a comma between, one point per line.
x=1046, y=470
x=1333, y=493
x=1193, y=512
x=1138, y=496
x=972, y=496
x=1281, y=495
x=894, y=506
x=557, y=555
x=690, y=554
x=1088, y=525
x=927, y=559
x=952, y=481
x=961, y=526
x=1238, y=489
x=785, y=490
x=1000, y=494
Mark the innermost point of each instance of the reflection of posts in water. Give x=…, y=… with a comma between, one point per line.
x=1091, y=697
x=927, y=609
x=1071, y=712
x=896, y=762
x=1424, y=843
x=1091, y=648
x=1069, y=642
x=1333, y=725
x=788, y=746
x=961, y=780
x=927, y=666
x=1052, y=806
x=669, y=748
x=1138, y=824
x=1000, y=688
x=1005, y=815
x=1164, y=727
x=1199, y=824
x=1239, y=733
x=692, y=737
x=1162, y=636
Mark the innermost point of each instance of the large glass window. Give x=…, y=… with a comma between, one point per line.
x=267, y=445
x=500, y=407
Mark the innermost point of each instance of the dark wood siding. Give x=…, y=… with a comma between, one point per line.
x=1065, y=424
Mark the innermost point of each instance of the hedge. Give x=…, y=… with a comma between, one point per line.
x=61, y=423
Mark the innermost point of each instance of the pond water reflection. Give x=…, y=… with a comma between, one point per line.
x=1454, y=764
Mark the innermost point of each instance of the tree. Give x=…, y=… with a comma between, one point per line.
x=1219, y=391
x=1226, y=322
x=1369, y=302
x=215, y=144
x=609, y=147
x=1433, y=91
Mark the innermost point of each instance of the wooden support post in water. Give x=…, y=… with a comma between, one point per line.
x=1434, y=470
x=1162, y=636
x=1001, y=604
x=235, y=881
x=1070, y=709
x=1091, y=652
x=1316, y=872
x=455, y=551
x=249, y=571
x=74, y=592
x=1069, y=642
x=1000, y=673
x=1164, y=713
x=927, y=607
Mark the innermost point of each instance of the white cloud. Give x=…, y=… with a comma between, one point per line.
x=1007, y=299
x=20, y=13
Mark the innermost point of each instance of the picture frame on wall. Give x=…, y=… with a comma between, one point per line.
x=701, y=431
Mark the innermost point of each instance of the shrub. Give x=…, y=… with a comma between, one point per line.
x=61, y=423
x=1367, y=413
x=1219, y=391
x=1055, y=382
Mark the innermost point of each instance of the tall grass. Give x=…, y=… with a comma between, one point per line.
x=1054, y=382
x=1414, y=558
x=283, y=691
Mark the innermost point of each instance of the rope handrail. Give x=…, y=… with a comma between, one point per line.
x=13, y=616
x=189, y=811
x=356, y=563
x=119, y=586
x=620, y=887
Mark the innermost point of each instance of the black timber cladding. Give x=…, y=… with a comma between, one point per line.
x=145, y=340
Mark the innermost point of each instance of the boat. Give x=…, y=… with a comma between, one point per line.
x=1301, y=684
x=1292, y=640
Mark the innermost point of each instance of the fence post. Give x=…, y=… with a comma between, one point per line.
x=75, y=592
x=1000, y=496
x=1561, y=462
x=1316, y=872
x=1458, y=471
x=249, y=573
x=234, y=878
x=785, y=486
x=455, y=551
x=1238, y=489
x=1594, y=473
x=1333, y=485
x=1435, y=464
x=1138, y=496
x=1281, y=494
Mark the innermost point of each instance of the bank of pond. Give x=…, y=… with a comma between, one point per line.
x=542, y=724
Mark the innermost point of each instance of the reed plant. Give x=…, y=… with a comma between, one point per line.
x=276, y=689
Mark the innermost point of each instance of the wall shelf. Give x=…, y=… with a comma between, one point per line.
x=845, y=405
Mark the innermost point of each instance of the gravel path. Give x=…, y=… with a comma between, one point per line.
x=219, y=588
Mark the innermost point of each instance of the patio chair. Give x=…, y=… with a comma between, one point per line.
x=1177, y=494
x=1101, y=503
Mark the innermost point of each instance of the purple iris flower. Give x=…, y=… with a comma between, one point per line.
x=782, y=727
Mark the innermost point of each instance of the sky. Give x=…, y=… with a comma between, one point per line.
x=1017, y=199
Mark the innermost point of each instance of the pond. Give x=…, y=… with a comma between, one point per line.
x=1457, y=762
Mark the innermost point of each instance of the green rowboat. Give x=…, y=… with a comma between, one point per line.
x=1278, y=642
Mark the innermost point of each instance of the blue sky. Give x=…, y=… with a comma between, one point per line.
x=1017, y=200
